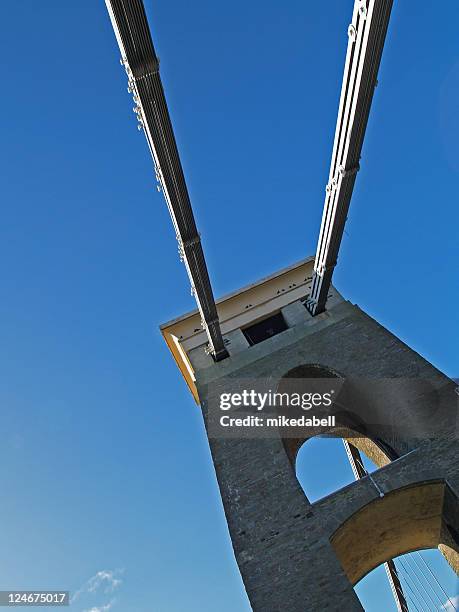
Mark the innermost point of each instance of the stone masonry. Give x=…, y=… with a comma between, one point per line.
x=297, y=556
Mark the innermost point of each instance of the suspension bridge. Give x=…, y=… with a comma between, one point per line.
x=413, y=583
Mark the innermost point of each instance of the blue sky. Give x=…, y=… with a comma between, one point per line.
x=104, y=464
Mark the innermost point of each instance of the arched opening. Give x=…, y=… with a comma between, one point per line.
x=427, y=582
x=321, y=459
x=394, y=529
x=322, y=465
x=309, y=378
x=402, y=521
x=426, y=578
x=381, y=543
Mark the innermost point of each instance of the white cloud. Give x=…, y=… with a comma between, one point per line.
x=452, y=604
x=105, y=581
x=105, y=578
x=104, y=608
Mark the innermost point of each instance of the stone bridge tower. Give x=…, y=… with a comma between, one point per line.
x=298, y=556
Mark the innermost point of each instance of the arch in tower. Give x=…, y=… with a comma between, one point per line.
x=350, y=426
x=404, y=520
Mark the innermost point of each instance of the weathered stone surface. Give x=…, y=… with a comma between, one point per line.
x=293, y=555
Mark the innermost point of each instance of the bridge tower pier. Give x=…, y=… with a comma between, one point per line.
x=295, y=555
